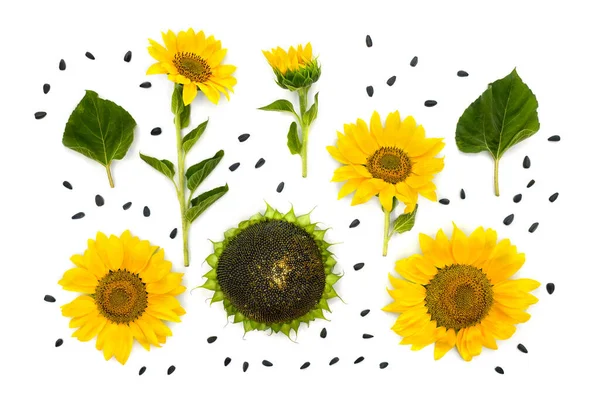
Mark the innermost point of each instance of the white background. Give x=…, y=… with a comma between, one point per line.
x=553, y=46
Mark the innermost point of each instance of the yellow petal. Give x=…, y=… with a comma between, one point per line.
x=424, y=334
x=474, y=340
x=428, y=166
x=444, y=344
x=460, y=246
x=350, y=186
x=335, y=153
x=137, y=333
x=157, y=268
x=350, y=150
x=147, y=329
x=408, y=293
x=108, y=339
x=487, y=339
x=386, y=196
x=511, y=286
x=91, y=328
x=166, y=284
x=189, y=93
x=436, y=250
x=377, y=129
x=137, y=257
x=411, y=321
x=80, y=306
x=123, y=343
x=363, y=137
x=350, y=171
x=210, y=93
x=461, y=345
x=408, y=131
x=391, y=129
x=156, y=68
x=170, y=41
x=365, y=191
x=504, y=262
x=416, y=269
x=80, y=280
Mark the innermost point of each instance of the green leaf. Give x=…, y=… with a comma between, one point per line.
x=184, y=117
x=293, y=142
x=192, y=137
x=405, y=222
x=203, y=201
x=99, y=129
x=164, y=166
x=280, y=105
x=311, y=114
x=197, y=173
x=179, y=108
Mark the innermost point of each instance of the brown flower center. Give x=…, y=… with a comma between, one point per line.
x=121, y=296
x=391, y=164
x=459, y=296
x=192, y=66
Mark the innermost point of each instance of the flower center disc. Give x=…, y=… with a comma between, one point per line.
x=459, y=296
x=272, y=272
x=192, y=66
x=391, y=164
x=121, y=296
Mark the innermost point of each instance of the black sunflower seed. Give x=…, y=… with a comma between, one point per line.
x=127, y=57
x=227, y=361
x=522, y=348
x=211, y=340
x=364, y=313
x=532, y=182
x=334, y=360
x=323, y=333
x=58, y=342
x=444, y=201
x=305, y=365
x=171, y=370
x=554, y=138
x=146, y=84
x=146, y=211
x=359, y=360
x=533, y=227
x=553, y=197
x=550, y=287
x=517, y=198
x=48, y=298
x=462, y=73
x=383, y=365
x=358, y=266
x=90, y=55
x=62, y=65
x=46, y=88
x=369, y=41
x=127, y=205
x=99, y=200
x=430, y=103
x=280, y=187
x=40, y=115
x=78, y=215
x=463, y=195
x=173, y=233
x=370, y=91
x=234, y=166
x=68, y=185
x=142, y=370
x=354, y=223
x=499, y=370
x=244, y=137
x=414, y=61
x=267, y=363
x=245, y=366
x=526, y=162
x=508, y=219
x=391, y=81
x=259, y=163
x=156, y=131
x=367, y=336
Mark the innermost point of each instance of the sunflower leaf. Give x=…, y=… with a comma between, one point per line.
x=280, y=105
x=163, y=166
x=99, y=129
x=192, y=137
x=293, y=142
x=197, y=173
x=311, y=113
x=405, y=222
x=203, y=201
x=503, y=116
x=178, y=108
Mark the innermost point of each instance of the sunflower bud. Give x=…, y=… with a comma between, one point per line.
x=294, y=69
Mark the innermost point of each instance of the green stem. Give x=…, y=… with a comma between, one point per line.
x=386, y=231
x=185, y=226
x=496, y=186
x=110, y=179
x=303, y=96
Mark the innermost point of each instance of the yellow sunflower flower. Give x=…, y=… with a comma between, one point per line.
x=129, y=290
x=295, y=69
x=460, y=293
x=193, y=60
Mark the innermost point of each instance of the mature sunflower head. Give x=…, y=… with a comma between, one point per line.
x=273, y=271
x=193, y=60
x=459, y=293
x=395, y=160
x=294, y=69
x=129, y=290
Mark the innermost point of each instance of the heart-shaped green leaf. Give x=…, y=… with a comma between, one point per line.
x=280, y=105
x=197, y=173
x=405, y=222
x=293, y=142
x=192, y=137
x=203, y=201
x=163, y=166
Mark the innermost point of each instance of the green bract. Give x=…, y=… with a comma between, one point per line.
x=304, y=77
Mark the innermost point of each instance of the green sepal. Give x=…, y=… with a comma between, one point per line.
x=331, y=279
x=238, y=317
x=210, y=284
x=192, y=137
x=217, y=296
x=212, y=274
x=293, y=142
x=165, y=167
x=197, y=173
x=212, y=260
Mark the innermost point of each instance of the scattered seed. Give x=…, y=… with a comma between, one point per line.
x=40, y=115
x=508, y=219
x=554, y=138
x=383, y=365
x=173, y=233
x=211, y=340
x=414, y=61
x=359, y=360
x=244, y=137
x=358, y=266
x=99, y=200
x=532, y=182
x=156, y=131
x=58, y=342
x=462, y=73
x=533, y=227
x=550, y=288
x=260, y=163
x=517, y=198
x=463, y=195
x=146, y=211
x=369, y=41
x=553, y=197
x=305, y=365
x=499, y=370
x=267, y=363
x=68, y=185
x=526, y=162
x=354, y=223
x=245, y=366
x=391, y=81
x=370, y=91
x=46, y=88
x=90, y=55
x=146, y=84
x=280, y=187
x=227, y=361
x=78, y=215
x=127, y=57
x=334, y=360
x=234, y=166
x=367, y=336
x=62, y=65
x=171, y=370
x=142, y=370
x=430, y=103
x=444, y=201
x=126, y=206
x=323, y=333
x=364, y=313
x=49, y=299
x=522, y=348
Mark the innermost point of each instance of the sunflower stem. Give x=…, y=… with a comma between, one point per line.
x=110, y=179
x=386, y=231
x=303, y=96
x=185, y=226
x=496, y=185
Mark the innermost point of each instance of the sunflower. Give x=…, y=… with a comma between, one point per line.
x=460, y=293
x=129, y=290
x=273, y=271
x=295, y=69
x=193, y=60
x=395, y=161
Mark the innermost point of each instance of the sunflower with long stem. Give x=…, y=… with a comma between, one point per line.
x=192, y=61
